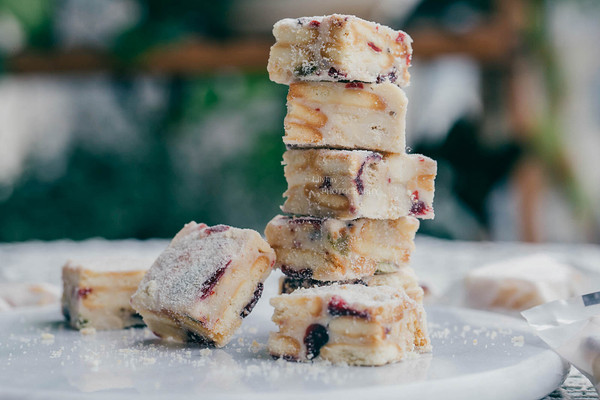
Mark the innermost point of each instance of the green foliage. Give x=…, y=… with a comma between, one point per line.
x=35, y=17
x=151, y=192
x=165, y=22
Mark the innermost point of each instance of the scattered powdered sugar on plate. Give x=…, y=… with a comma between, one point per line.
x=517, y=341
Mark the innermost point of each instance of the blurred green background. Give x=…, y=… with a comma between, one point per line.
x=129, y=118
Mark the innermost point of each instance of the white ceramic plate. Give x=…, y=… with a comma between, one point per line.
x=476, y=355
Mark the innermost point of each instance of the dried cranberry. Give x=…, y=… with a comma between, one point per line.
x=316, y=337
x=334, y=73
x=372, y=45
x=392, y=76
x=408, y=59
x=196, y=338
x=250, y=306
x=83, y=292
x=326, y=184
x=209, y=284
x=360, y=187
x=314, y=24
x=400, y=37
x=315, y=222
x=357, y=85
x=338, y=307
x=297, y=273
x=418, y=206
x=216, y=229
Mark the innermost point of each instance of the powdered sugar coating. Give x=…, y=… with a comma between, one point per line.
x=338, y=48
x=191, y=265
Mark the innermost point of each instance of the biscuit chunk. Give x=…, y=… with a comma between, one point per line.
x=353, y=324
x=350, y=115
x=96, y=292
x=338, y=48
x=350, y=184
x=203, y=285
x=327, y=249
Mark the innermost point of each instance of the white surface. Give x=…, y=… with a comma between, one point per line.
x=476, y=355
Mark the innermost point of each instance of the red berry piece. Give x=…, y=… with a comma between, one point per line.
x=315, y=222
x=360, y=187
x=316, y=336
x=334, y=73
x=297, y=273
x=250, y=306
x=400, y=37
x=375, y=48
x=216, y=229
x=418, y=206
x=355, y=85
x=209, y=284
x=338, y=307
x=326, y=184
x=314, y=24
x=201, y=340
x=83, y=292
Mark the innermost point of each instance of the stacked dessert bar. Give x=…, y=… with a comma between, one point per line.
x=348, y=294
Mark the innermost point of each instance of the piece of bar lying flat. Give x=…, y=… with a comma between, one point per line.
x=521, y=283
x=338, y=48
x=203, y=285
x=351, y=115
x=329, y=249
x=96, y=292
x=350, y=184
x=352, y=324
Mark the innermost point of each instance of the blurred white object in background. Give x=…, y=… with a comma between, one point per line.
x=574, y=34
x=27, y=294
x=258, y=16
x=521, y=283
x=447, y=88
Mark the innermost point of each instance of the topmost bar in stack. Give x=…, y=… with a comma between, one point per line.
x=339, y=48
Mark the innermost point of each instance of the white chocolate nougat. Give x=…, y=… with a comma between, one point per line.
x=338, y=48
x=96, y=292
x=350, y=184
x=353, y=324
x=346, y=115
x=404, y=279
x=203, y=285
x=521, y=283
x=328, y=249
